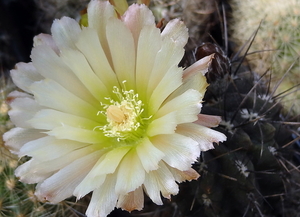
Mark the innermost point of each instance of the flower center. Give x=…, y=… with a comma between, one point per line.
x=123, y=115
x=116, y=114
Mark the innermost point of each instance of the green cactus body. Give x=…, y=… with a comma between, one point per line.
x=250, y=174
x=277, y=42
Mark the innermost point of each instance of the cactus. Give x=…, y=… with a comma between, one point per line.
x=254, y=173
x=278, y=38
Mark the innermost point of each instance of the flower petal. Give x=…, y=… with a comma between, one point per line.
x=36, y=170
x=136, y=18
x=99, y=13
x=171, y=52
x=65, y=32
x=23, y=109
x=149, y=155
x=50, y=94
x=163, y=125
x=133, y=200
x=180, y=151
x=23, y=172
x=17, y=137
x=131, y=173
x=62, y=184
x=186, y=106
x=208, y=120
x=107, y=164
x=76, y=61
x=145, y=58
x=79, y=135
x=181, y=176
x=170, y=82
x=39, y=148
x=104, y=199
x=96, y=57
x=160, y=180
x=46, y=61
x=45, y=39
x=168, y=57
x=201, y=66
x=43, y=119
x=176, y=31
x=24, y=75
x=122, y=51
x=203, y=135
x=193, y=78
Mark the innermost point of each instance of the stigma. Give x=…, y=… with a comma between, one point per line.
x=123, y=115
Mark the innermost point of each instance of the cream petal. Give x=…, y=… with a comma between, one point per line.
x=46, y=61
x=65, y=32
x=168, y=56
x=40, y=148
x=149, y=155
x=170, y=82
x=24, y=175
x=203, y=135
x=99, y=12
x=201, y=66
x=24, y=75
x=146, y=53
x=208, y=120
x=136, y=18
x=62, y=184
x=160, y=180
x=181, y=176
x=131, y=173
x=180, y=151
x=104, y=199
x=132, y=201
x=36, y=171
x=168, y=186
x=107, y=164
x=87, y=185
x=197, y=82
x=50, y=94
x=110, y=161
x=163, y=125
x=15, y=138
x=47, y=119
x=76, y=61
x=176, y=31
x=186, y=106
x=45, y=39
x=17, y=94
x=80, y=135
x=96, y=57
x=23, y=109
x=122, y=50
x=151, y=186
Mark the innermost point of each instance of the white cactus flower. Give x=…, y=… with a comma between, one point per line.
x=106, y=109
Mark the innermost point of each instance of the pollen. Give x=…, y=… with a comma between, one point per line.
x=123, y=115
